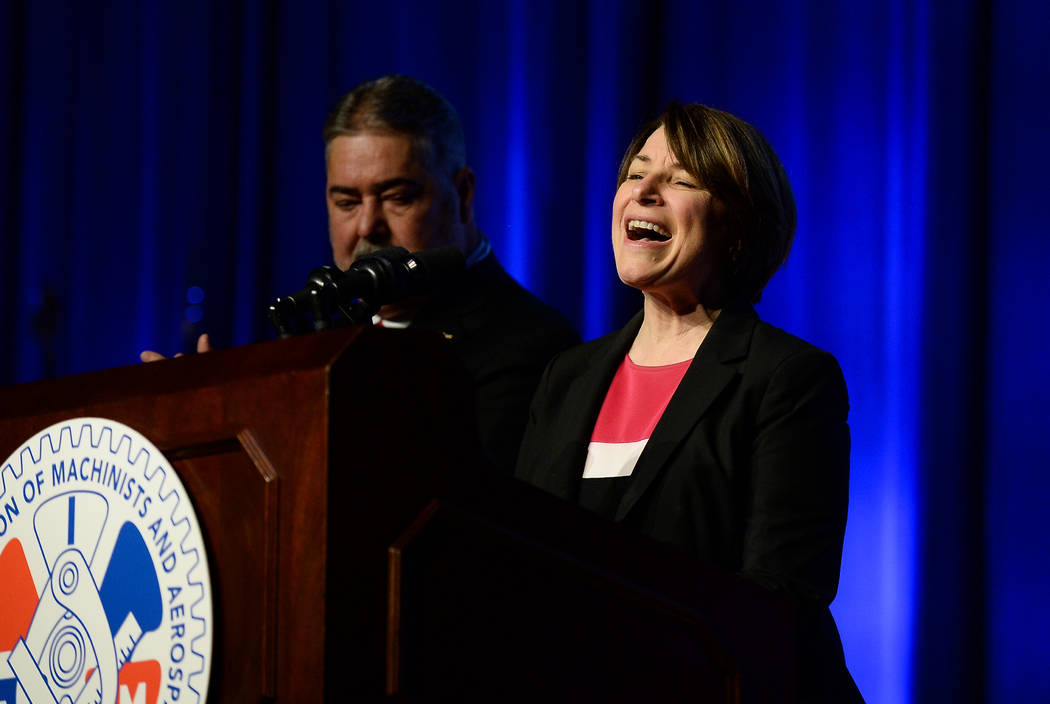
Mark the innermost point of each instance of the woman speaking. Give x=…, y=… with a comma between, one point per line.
x=697, y=423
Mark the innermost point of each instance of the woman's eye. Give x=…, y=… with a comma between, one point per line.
x=634, y=177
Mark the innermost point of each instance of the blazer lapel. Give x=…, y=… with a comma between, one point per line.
x=710, y=373
x=584, y=396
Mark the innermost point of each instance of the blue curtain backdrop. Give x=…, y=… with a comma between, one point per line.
x=149, y=148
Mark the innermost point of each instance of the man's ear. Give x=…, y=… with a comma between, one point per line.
x=464, y=183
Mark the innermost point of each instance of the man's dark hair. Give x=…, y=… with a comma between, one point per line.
x=732, y=160
x=402, y=105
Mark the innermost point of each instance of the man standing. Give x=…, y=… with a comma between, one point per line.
x=397, y=176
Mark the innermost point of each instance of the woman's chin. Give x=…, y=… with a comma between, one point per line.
x=640, y=280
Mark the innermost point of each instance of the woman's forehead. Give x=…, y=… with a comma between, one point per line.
x=657, y=150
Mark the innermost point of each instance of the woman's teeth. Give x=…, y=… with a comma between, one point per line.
x=651, y=230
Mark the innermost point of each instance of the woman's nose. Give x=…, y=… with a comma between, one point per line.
x=645, y=190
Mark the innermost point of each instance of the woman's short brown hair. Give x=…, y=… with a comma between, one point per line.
x=731, y=159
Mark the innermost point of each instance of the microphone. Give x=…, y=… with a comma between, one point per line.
x=384, y=276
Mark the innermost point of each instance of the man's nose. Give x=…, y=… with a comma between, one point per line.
x=370, y=221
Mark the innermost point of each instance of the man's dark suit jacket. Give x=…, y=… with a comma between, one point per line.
x=505, y=337
x=747, y=468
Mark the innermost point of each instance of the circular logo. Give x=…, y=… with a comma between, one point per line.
x=104, y=589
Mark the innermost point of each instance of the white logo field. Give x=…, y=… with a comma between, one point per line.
x=105, y=595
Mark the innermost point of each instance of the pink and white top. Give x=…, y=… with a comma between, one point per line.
x=633, y=406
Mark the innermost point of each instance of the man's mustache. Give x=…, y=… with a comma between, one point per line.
x=364, y=248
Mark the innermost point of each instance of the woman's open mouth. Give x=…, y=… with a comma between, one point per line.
x=643, y=230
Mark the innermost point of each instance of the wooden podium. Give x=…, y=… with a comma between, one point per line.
x=360, y=547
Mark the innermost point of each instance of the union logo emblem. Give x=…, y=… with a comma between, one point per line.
x=105, y=595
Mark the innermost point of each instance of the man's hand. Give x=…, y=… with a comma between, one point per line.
x=203, y=345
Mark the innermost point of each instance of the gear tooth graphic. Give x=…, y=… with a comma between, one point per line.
x=49, y=440
x=132, y=453
x=151, y=477
x=82, y=437
x=65, y=438
x=85, y=437
x=200, y=609
x=141, y=458
x=123, y=442
x=201, y=622
x=26, y=459
x=194, y=573
x=168, y=495
x=8, y=473
x=103, y=439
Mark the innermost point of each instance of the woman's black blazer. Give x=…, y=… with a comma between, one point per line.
x=747, y=468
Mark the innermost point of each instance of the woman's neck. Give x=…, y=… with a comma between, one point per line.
x=670, y=334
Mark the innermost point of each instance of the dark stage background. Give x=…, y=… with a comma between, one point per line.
x=150, y=148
